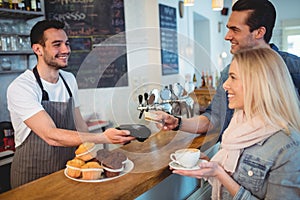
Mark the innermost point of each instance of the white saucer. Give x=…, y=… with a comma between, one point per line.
x=175, y=165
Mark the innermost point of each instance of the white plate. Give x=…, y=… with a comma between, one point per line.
x=128, y=167
x=175, y=165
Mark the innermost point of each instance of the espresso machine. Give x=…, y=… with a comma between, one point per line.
x=173, y=99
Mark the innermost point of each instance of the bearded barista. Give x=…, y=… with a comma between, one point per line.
x=43, y=117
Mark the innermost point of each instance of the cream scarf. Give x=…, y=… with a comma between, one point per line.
x=239, y=135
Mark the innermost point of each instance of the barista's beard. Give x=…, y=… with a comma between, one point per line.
x=54, y=64
x=57, y=67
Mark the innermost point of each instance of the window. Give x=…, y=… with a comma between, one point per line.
x=291, y=36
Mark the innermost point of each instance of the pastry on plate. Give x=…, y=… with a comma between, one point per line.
x=86, y=151
x=91, y=171
x=74, y=167
x=119, y=156
x=102, y=154
x=112, y=165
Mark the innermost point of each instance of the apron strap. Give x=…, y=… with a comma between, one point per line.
x=69, y=91
x=45, y=96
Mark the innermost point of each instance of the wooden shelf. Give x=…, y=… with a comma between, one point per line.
x=17, y=14
x=203, y=97
x=25, y=52
x=11, y=71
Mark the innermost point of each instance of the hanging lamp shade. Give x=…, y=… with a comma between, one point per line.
x=217, y=4
x=188, y=2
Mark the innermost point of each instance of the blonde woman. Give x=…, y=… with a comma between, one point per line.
x=260, y=150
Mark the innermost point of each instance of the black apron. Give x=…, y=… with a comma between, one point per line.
x=34, y=158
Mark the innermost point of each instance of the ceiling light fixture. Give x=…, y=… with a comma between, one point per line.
x=188, y=2
x=217, y=5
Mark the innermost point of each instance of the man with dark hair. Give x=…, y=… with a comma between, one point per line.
x=259, y=14
x=250, y=25
x=46, y=117
x=37, y=31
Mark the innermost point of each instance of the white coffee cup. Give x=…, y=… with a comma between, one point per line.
x=186, y=157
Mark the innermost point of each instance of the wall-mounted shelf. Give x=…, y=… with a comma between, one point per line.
x=19, y=14
x=11, y=71
x=23, y=52
x=16, y=52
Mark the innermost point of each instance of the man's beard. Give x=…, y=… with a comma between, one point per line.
x=53, y=63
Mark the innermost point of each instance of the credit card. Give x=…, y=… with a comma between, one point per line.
x=152, y=117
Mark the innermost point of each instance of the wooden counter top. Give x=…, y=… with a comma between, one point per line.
x=150, y=159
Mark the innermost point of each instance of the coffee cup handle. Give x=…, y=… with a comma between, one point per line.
x=173, y=158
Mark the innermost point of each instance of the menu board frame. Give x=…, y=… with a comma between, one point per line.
x=89, y=23
x=168, y=39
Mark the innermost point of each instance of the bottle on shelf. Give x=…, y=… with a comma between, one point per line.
x=206, y=79
x=33, y=5
x=27, y=5
x=38, y=5
x=1, y=4
x=217, y=79
x=203, y=80
x=195, y=81
x=21, y=5
x=15, y=4
x=10, y=5
x=210, y=81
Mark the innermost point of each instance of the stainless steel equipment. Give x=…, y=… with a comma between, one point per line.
x=173, y=99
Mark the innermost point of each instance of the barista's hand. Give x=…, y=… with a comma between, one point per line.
x=169, y=122
x=115, y=136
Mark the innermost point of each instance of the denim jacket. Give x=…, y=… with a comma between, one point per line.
x=218, y=112
x=269, y=169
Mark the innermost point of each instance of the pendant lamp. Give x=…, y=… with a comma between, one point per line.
x=217, y=5
x=188, y=2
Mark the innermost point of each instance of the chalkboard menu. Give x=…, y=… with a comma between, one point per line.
x=168, y=39
x=90, y=23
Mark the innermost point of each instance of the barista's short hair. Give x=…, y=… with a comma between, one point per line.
x=37, y=31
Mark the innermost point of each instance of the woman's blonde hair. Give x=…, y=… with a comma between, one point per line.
x=268, y=88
